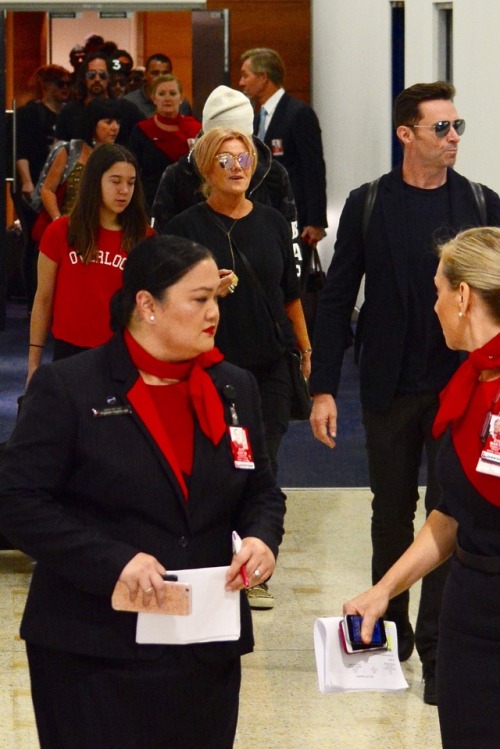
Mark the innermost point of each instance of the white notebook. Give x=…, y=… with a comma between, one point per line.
x=338, y=671
x=215, y=614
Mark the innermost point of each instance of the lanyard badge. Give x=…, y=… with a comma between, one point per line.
x=238, y=435
x=489, y=460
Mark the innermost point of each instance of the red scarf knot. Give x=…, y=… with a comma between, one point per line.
x=456, y=395
x=203, y=394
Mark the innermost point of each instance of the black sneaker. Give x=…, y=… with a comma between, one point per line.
x=406, y=637
x=430, y=696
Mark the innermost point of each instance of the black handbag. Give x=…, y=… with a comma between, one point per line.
x=312, y=285
x=300, y=407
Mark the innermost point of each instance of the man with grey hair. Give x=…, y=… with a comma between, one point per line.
x=291, y=130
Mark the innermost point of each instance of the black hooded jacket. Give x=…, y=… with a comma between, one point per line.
x=180, y=184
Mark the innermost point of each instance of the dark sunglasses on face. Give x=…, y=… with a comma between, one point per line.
x=91, y=74
x=62, y=84
x=227, y=160
x=443, y=127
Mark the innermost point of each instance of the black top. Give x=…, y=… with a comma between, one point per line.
x=35, y=132
x=428, y=223
x=246, y=334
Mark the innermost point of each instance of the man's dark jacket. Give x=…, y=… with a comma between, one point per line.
x=295, y=127
x=382, y=326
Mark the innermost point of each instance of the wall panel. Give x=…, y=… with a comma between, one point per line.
x=283, y=25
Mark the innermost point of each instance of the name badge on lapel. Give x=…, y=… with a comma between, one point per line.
x=277, y=147
x=112, y=409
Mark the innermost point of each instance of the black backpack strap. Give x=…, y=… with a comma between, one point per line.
x=478, y=191
x=368, y=207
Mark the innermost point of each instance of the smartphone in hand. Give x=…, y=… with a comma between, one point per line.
x=350, y=628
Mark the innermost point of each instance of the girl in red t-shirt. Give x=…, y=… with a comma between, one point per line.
x=82, y=256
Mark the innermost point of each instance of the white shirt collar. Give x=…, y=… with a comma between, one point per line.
x=273, y=101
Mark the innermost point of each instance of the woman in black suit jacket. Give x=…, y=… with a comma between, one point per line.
x=121, y=468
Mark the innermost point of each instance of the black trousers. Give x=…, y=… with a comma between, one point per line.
x=468, y=661
x=175, y=702
x=395, y=440
x=27, y=218
x=275, y=393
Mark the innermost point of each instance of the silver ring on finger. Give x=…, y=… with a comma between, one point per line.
x=257, y=573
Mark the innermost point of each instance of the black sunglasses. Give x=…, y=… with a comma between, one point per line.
x=63, y=84
x=91, y=74
x=443, y=127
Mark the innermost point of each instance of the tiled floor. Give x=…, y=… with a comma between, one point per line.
x=325, y=559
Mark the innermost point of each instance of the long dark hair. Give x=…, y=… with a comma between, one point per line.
x=80, y=85
x=154, y=265
x=84, y=221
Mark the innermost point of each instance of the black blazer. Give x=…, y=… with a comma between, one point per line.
x=83, y=494
x=296, y=133
x=383, y=321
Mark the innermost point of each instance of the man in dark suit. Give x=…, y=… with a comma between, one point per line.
x=291, y=130
x=404, y=361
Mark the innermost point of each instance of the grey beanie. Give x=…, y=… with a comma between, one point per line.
x=228, y=108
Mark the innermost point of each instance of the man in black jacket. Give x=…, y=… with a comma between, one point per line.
x=180, y=184
x=291, y=130
x=404, y=361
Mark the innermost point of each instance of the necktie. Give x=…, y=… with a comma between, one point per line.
x=262, y=123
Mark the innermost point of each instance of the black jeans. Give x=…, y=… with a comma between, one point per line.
x=395, y=440
x=275, y=393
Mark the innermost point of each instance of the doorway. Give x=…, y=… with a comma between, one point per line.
x=189, y=37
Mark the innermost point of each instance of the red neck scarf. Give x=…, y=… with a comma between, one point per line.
x=466, y=426
x=456, y=395
x=173, y=143
x=203, y=394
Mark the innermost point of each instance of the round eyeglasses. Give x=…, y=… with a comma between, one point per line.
x=227, y=160
x=443, y=127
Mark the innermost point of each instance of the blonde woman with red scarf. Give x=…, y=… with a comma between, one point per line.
x=162, y=139
x=466, y=524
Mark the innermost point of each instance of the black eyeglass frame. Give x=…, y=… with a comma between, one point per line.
x=443, y=127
